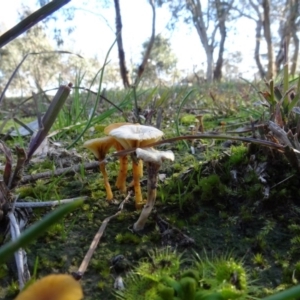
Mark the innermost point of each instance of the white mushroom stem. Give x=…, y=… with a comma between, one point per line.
x=152, y=169
x=153, y=160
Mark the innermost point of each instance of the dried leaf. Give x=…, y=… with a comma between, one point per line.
x=8, y=164
x=17, y=175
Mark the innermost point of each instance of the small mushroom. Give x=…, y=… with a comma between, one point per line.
x=153, y=159
x=134, y=136
x=100, y=147
x=201, y=124
x=121, y=179
x=53, y=287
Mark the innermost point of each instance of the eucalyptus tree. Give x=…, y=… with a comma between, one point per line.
x=210, y=20
x=288, y=14
x=161, y=61
x=44, y=66
x=280, y=14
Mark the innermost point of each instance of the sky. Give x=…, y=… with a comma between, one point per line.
x=95, y=26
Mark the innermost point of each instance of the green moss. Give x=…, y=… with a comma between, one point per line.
x=42, y=166
x=188, y=119
x=254, y=191
x=56, y=230
x=13, y=289
x=245, y=213
x=3, y=271
x=211, y=187
x=124, y=216
x=238, y=156
x=26, y=191
x=101, y=266
x=161, y=278
x=101, y=285
x=259, y=260
x=128, y=238
x=195, y=219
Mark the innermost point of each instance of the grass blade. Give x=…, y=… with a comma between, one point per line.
x=49, y=118
x=37, y=229
x=31, y=20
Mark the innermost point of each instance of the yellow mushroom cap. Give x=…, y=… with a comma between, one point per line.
x=155, y=156
x=136, y=135
x=53, y=287
x=110, y=127
x=100, y=146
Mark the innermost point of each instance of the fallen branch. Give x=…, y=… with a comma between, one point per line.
x=83, y=267
x=66, y=171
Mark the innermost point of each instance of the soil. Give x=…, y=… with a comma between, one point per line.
x=245, y=202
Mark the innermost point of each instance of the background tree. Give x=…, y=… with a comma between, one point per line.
x=268, y=37
x=210, y=23
x=161, y=61
x=289, y=26
x=122, y=61
x=283, y=14
x=44, y=70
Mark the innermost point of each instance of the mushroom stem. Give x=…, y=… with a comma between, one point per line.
x=121, y=179
x=152, y=189
x=136, y=183
x=201, y=124
x=109, y=194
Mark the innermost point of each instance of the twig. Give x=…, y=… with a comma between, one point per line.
x=83, y=267
x=31, y=20
x=48, y=203
x=58, y=172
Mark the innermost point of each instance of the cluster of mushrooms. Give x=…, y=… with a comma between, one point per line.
x=123, y=136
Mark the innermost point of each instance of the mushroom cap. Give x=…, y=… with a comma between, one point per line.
x=58, y=287
x=113, y=126
x=154, y=156
x=136, y=135
x=100, y=146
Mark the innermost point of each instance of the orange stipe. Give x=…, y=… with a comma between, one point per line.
x=109, y=194
x=121, y=180
x=139, y=202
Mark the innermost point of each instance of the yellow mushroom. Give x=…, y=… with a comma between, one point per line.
x=134, y=136
x=53, y=287
x=100, y=147
x=121, y=179
x=201, y=124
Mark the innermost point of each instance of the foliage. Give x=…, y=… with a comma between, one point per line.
x=161, y=278
x=161, y=63
x=31, y=76
x=283, y=100
x=211, y=187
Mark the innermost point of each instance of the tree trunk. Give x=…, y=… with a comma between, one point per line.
x=296, y=53
x=210, y=64
x=288, y=29
x=122, y=62
x=194, y=6
x=258, y=29
x=267, y=33
x=142, y=66
x=221, y=12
